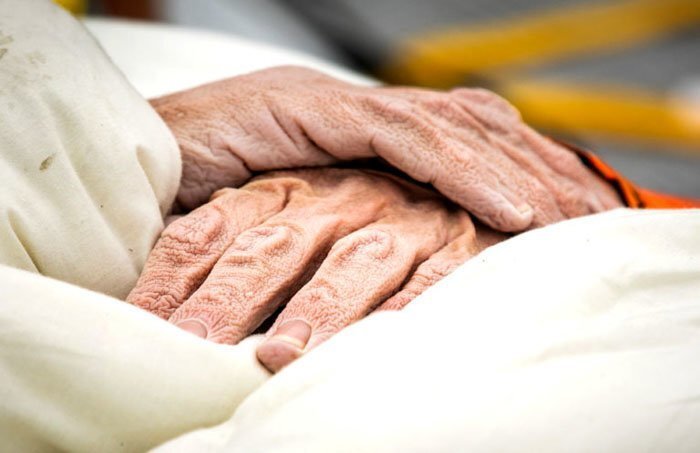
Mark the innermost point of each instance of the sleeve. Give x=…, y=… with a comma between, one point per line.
x=632, y=195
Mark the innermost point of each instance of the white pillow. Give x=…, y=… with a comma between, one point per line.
x=76, y=142
x=169, y=59
x=582, y=336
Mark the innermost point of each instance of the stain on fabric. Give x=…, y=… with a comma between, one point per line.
x=2, y=53
x=46, y=163
x=36, y=58
x=5, y=39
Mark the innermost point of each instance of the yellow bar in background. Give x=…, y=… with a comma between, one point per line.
x=444, y=58
x=74, y=6
x=607, y=111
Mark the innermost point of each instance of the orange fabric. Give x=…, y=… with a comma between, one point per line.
x=656, y=200
x=633, y=196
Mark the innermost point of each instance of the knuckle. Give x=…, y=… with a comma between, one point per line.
x=158, y=303
x=488, y=107
x=222, y=323
x=573, y=200
x=392, y=109
x=399, y=300
x=193, y=234
x=461, y=161
x=420, y=282
x=537, y=193
x=270, y=240
x=322, y=306
x=485, y=97
x=281, y=184
x=567, y=162
x=431, y=273
x=441, y=105
x=449, y=107
x=372, y=244
x=408, y=129
x=426, y=276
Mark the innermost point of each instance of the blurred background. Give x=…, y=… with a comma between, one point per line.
x=619, y=77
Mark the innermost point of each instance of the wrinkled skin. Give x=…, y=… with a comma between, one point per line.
x=331, y=244
x=469, y=144
x=335, y=244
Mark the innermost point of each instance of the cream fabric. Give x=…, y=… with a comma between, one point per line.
x=82, y=372
x=580, y=337
x=88, y=168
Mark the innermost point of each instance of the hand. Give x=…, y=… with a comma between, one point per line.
x=332, y=244
x=468, y=143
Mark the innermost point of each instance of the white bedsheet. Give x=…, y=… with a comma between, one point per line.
x=580, y=337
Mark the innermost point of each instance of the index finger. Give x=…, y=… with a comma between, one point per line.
x=398, y=131
x=190, y=246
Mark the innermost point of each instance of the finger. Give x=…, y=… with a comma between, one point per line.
x=441, y=263
x=265, y=264
x=575, y=187
x=460, y=172
x=578, y=192
x=520, y=173
x=360, y=271
x=496, y=113
x=569, y=164
x=376, y=125
x=190, y=245
x=555, y=197
x=566, y=198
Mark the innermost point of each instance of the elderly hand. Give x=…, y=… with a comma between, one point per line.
x=469, y=144
x=332, y=244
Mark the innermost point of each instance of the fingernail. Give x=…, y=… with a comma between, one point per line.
x=525, y=210
x=295, y=332
x=285, y=346
x=194, y=326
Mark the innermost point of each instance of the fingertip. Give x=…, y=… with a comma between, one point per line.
x=285, y=346
x=275, y=354
x=496, y=206
x=595, y=205
x=526, y=214
x=194, y=326
x=510, y=218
